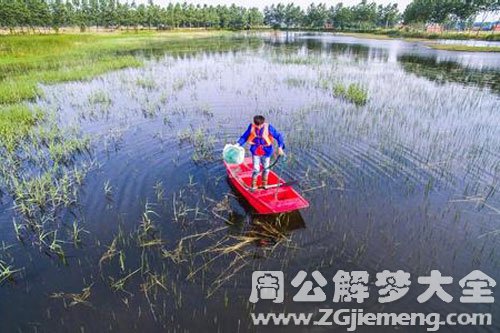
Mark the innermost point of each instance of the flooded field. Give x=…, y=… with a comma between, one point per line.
x=123, y=219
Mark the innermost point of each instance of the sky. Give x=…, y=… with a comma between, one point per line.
x=262, y=3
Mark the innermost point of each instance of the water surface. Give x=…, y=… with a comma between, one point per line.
x=408, y=181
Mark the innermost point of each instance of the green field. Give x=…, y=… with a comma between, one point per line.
x=429, y=39
x=27, y=61
x=423, y=35
x=464, y=48
x=455, y=35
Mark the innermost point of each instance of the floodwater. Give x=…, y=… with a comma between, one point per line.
x=470, y=42
x=408, y=181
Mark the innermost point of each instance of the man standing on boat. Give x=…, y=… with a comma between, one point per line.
x=261, y=135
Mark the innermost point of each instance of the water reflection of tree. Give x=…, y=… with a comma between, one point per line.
x=186, y=48
x=332, y=49
x=449, y=71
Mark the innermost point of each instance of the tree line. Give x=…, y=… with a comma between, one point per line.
x=365, y=15
x=36, y=14
x=449, y=11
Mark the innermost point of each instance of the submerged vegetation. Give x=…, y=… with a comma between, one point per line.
x=38, y=157
x=7, y=272
x=43, y=174
x=202, y=142
x=44, y=163
x=353, y=93
x=16, y=122
x=120, y=179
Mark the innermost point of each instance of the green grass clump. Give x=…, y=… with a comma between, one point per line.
x=464, y=48
x=203, y=144
x=357, y=94
x=293, y=82
x=146, y=83
x=16, y=121
x=16, y=90
x=456, y=35
x=339, y=90
x=6, y=271
x=99, y=97
x=354, y=93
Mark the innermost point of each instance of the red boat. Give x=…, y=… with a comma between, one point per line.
x=277, y=198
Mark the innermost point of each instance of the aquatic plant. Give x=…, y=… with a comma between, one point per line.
x=357, y=94
x=147, y=234
x=294, y=59
x=77, y=232
x=108, y=189
x=339, y=90
x=7, y=272
x=99, y=97
x=75, y=298
x=202, y=142
x=159, y=191
x=353, y=93
x=33, y=59
x=466, y=48
x=146, y=83
x=205, y=110
x=198, y=240
x=16, y=121
x=295, y=82
x=41, y=173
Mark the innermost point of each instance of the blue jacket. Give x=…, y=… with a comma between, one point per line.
x=259, y=141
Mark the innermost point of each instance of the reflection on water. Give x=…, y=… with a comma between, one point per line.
x=479, y=69
x=189, y=47
x=449, y=71
x=409, y=181
x=469, y=42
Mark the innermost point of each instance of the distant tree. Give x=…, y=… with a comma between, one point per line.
x=224, y=16
x=341, y=16
x=178, y=15
x=70, y=13
x=275, y=15
x=153, y=15
x=388, y=15
x=94, y=13
x=123, y=13
x=141, y=15
x=59, y=15
x=254, y=17
x=235, y=17
x=293, y=15
x=133, y=16
x=8, y=14
x=40, y=16
x=365, y=15
x=438, y=11
x=316, y=16
x=212, y=18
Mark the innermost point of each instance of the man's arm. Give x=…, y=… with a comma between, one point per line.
x=277, y=136
x=243, y=139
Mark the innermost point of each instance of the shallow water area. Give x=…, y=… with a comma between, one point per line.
x=406, y=181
